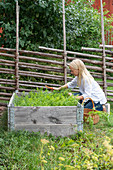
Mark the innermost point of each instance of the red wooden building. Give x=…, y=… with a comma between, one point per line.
x=108, y=5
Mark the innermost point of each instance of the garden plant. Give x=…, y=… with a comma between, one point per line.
x=45, y=98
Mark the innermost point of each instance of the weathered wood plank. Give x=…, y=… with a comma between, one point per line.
x=41, y=60
x=46, y=115
x=55, y=130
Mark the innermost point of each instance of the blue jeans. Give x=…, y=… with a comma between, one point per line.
x=89, y=104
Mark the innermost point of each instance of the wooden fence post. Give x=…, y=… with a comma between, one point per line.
x=64, y=38
x=103, y=55
x=17, y=48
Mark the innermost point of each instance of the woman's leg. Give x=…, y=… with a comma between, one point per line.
x=89, y=105
x=98, y=106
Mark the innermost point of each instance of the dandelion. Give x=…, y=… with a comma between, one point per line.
x=44, y=141
x=61, y=159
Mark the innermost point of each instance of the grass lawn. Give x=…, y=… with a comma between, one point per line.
x=90, y=149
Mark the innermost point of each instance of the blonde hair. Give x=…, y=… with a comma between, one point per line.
x=83, y=72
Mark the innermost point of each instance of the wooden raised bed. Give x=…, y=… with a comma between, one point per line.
x=55, y=120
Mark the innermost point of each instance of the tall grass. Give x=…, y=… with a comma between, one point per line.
x=90, y=149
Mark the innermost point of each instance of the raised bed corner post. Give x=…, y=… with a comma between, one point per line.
x=80, y=112
x=103, y=55
x=64, y=38
x=17, y=48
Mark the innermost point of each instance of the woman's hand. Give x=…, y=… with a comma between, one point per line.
x=70, y=94
x=56, y=88
x=61, y=87
x=80, y=97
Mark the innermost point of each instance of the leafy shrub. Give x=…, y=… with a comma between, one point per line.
x=41, y=23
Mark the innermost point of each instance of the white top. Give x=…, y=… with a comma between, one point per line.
x=92, y=90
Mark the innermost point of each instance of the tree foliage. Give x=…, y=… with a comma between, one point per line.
x=41, y=23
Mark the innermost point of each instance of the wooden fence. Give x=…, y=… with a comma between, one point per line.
x=34, y=70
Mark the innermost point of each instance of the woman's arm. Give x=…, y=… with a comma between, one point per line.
x=61, y=87
x=80, y=97
x=71, y=84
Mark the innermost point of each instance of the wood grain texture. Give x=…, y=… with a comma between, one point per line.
x=45, y=115
x=55, y=130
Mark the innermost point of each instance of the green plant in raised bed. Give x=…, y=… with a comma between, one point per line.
x=45, y=98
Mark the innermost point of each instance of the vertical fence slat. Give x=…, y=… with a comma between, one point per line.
x=103, y=55
x=17, y=48
x=64, y=37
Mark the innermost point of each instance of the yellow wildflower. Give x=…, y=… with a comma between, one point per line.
x=68, y=167
x=44, y=141
x=105, y=143
x=110, y=151
x=61, y=159
x=51, y=148
x=75, y=145
x=44, y=161
x=101, y=149
x=107, y=138
x=42, y=168
x=60, y=164
x=95, y=165
x=105, y=157
x=78, y=167
x=80, y=131
x=94, y=158
x=112, y=160
x=89, y=166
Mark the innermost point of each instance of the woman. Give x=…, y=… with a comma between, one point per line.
x=88, y=87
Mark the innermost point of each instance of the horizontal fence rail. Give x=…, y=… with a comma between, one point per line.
x=47, y=67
